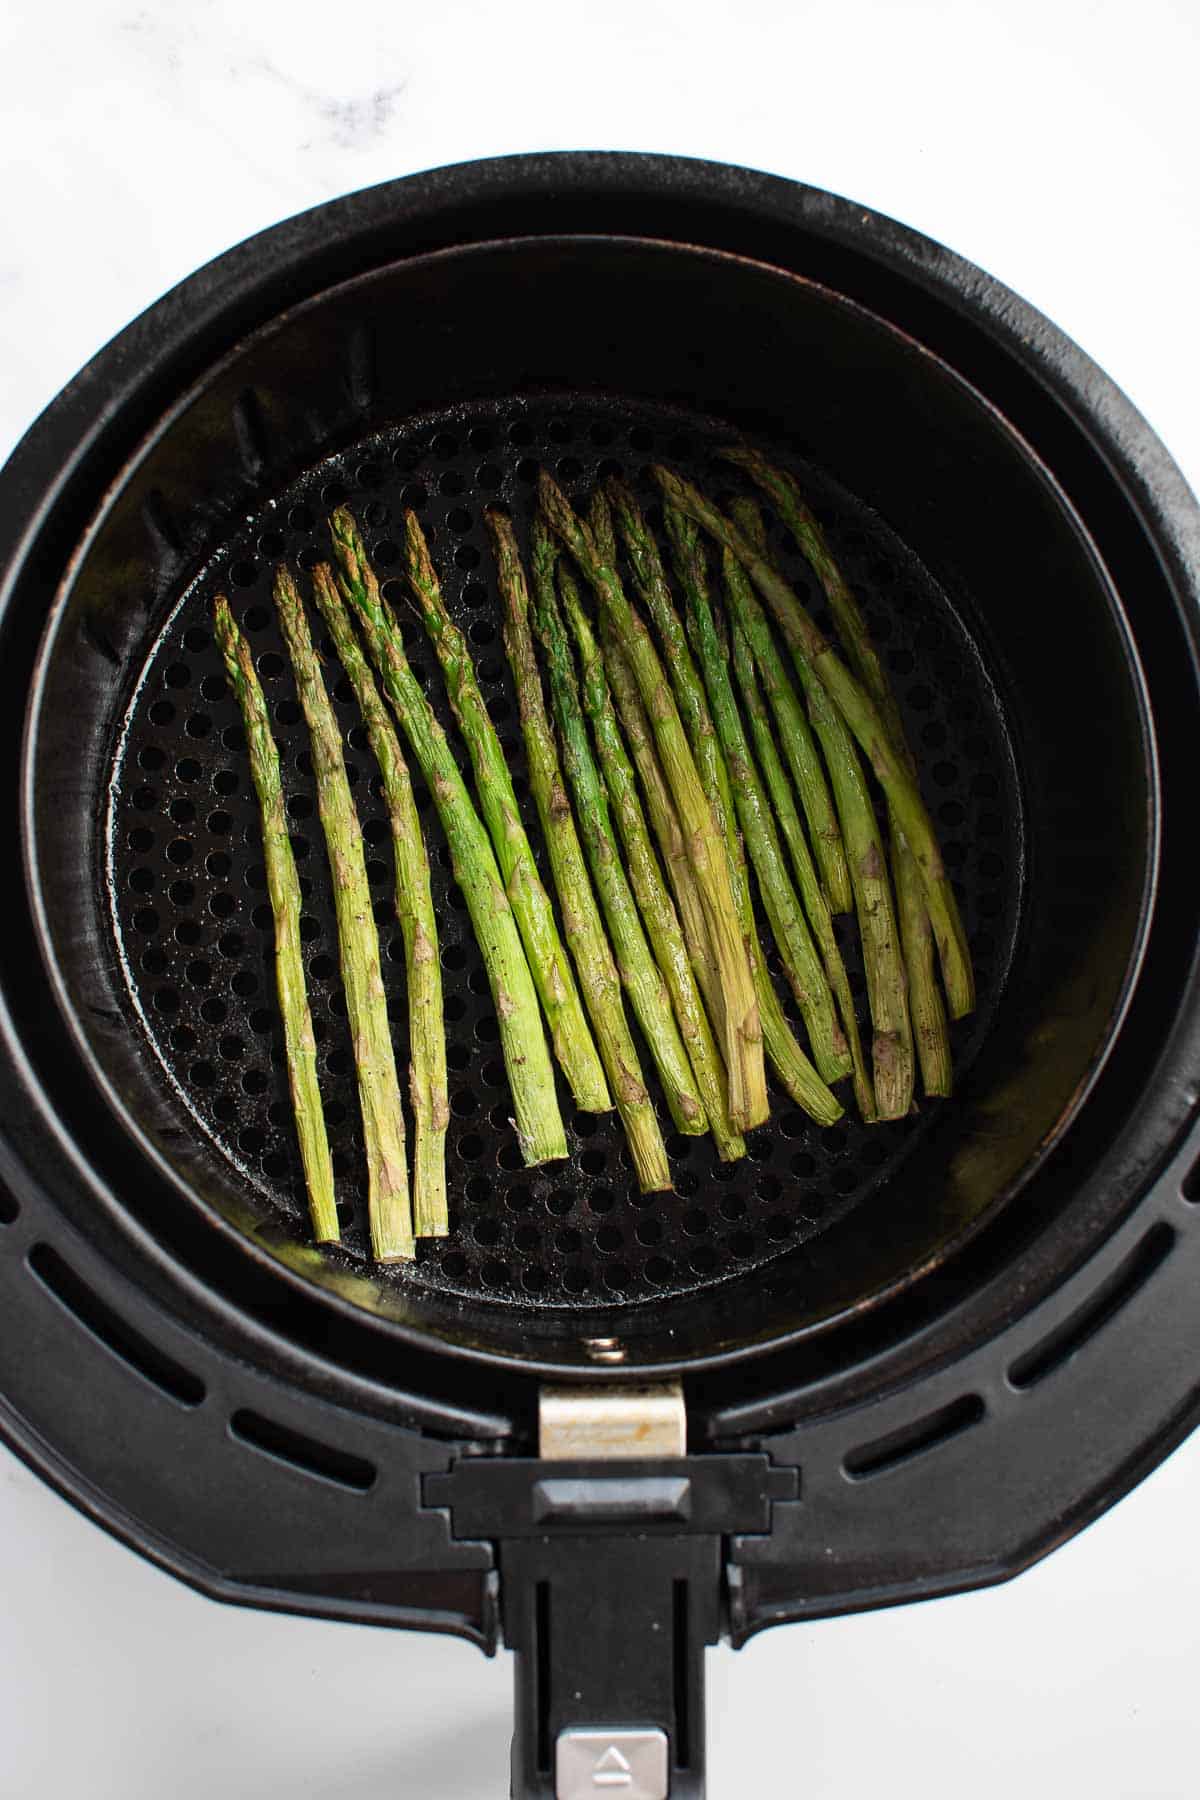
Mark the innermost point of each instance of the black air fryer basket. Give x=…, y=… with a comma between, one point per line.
x=910, y=1359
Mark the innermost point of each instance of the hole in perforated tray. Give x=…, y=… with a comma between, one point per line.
x=194, y=928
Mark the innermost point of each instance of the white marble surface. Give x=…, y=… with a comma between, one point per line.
x=1055, y=144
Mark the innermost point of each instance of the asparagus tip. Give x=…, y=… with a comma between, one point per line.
x=667, y=480
x=343, y=528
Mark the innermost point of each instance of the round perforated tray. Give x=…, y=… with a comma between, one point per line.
x=193, y=925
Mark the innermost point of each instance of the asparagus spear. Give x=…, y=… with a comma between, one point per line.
x=582, y=924
x=691, y=915
x=658, y=913
x=741, y=1027
x=418, y=924
x=538, y=1122
x=811, y=650
x=924, y=995
x=797, y=952
x=283, y=886
x=663, y=817
x=388, y=1208
x=793, y=1068
x=640, y=974
x=925, y=1000
x=891, y=1047
x=799, y=746
x=667, y=829
x=569, y=1033
x=807, y=880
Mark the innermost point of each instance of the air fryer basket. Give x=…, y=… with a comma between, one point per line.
x=471, y=367
x=913, y=1358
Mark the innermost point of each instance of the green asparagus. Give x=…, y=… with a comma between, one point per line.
x=283, y=886
x=539, y=1125
x=691, y=915
x=582, y=925
x=418, y=923
x=808, y=881
x=740, y=1023
x=640, y=975
x=798, y=744
x=811, y=650
x=797, y=952
x=891, y=1048
x=388, y=1206
x=925, y=1000
x=569, y=1033
x=658, y=913
x=788, y=1060
x=663, y=817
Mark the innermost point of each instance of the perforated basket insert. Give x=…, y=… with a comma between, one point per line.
x=193, y=924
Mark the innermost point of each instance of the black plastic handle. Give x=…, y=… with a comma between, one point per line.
x=609, y=1636
x=611, y=1588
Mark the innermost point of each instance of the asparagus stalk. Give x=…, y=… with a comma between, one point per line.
x=691, y=915
x=793, y=939
x=538, y=1122
x=807, y=879
x=891, y=1048
x=569, y=1033
x=388, y=1207
x=924, y=995
x=741, y=1027
x=796, y=737
x=283, y=886
x=793, y=1068
x=582, y=924
x=925, y=1000
x=709, y=769
x=812, y=651
x=642, y=979
x=418, y=924
x=651, y=586
x=658, y=913
x=663, y=817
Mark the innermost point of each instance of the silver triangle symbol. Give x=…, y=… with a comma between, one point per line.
x=611, y=1764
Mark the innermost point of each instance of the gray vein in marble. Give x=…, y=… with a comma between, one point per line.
x=352, y=124
x=350, y=121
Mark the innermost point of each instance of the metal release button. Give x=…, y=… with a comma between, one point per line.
x=626, y=1765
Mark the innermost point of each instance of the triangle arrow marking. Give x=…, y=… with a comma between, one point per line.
x=612, y=1769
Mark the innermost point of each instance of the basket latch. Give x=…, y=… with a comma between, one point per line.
x=612, y=1586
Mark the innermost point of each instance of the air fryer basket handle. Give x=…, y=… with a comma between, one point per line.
x=609, y=1635
x=612, y=1580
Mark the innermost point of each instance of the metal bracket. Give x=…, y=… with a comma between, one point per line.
x=586, y=1422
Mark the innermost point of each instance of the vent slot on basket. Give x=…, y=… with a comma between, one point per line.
x=304, y=1453
x=936, y=1428
x=114, y=1332
x=1062, y=1343
x=9, y=1210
